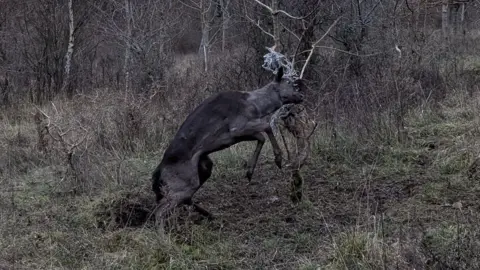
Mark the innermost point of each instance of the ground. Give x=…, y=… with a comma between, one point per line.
x=404, y=205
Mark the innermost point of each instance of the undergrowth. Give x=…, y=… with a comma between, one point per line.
x=368, y=204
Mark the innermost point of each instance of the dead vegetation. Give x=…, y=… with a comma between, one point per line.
x=76, y=188
x=388, y=179
x=411, y=204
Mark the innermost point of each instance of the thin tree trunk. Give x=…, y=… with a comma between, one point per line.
x=206, y=25
x=126, y=66
x=276, y=25
x=71, y=43
x=453, y=14
x=225, y=21
x=462, y=18
x=445, y=22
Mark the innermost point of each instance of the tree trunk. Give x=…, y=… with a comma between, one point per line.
x=206, y=23
x=71, y=43
x=445, y=22
x=225, y=21
x=299, y=125
x=276, y=25
x=462, y=18
x=126, y=66
x=453, y=14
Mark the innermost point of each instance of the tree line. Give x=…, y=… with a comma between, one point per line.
x=66, y=47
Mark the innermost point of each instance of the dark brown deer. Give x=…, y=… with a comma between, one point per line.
x=217, y=123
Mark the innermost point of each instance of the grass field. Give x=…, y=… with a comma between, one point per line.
x=368, y=205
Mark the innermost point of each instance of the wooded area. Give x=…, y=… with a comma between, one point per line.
x=91, y=93
x=69, y=47
x=379, y=57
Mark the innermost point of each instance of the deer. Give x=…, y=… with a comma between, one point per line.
x=217, y=123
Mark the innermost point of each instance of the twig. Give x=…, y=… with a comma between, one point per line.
x=291, y=32
x=315, y=45
x=300, y=40
x=55, y=108
x=258, y=25
x=313, y=130
x=346, y=52
x=190, y=6
x=285, y=144
x=278, y=11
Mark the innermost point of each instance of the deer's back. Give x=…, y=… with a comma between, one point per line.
x=209, y=120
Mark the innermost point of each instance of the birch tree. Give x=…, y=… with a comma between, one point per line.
x=128, y=45
x=71, y=43
x=206, y=20
x=138, y=37
x=206, y=11
x=225, y=6
x=445, y=19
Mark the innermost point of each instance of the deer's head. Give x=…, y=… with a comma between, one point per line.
x=289, y=90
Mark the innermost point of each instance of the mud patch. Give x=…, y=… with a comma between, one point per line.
x=136, y=208
x=124, y=209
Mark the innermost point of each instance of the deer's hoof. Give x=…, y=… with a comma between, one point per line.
x=278, y=162
x=249, y=175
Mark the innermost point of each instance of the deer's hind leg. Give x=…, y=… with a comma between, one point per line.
x=184, y=181
x=172, y=200
x=163, y=211
x=205, y=166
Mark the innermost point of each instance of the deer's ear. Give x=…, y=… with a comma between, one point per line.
x=279, y=76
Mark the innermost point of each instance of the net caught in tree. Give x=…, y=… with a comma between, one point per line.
x=274, y=60
x=293, y=118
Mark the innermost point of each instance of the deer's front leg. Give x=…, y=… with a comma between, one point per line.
x=253, y=161
x=276, y=148
x=257, y=126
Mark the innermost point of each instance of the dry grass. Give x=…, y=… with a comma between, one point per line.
x=368, y=204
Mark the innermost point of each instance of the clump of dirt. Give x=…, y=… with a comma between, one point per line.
x=124, y=209
x=473, y=171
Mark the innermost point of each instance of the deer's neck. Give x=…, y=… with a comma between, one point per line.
x=266, y=100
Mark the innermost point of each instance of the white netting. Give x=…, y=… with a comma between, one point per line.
x=272, y=62
x=279, y=114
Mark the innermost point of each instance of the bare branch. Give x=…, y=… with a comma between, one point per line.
x=278, y=11
x=44, y=114
x=265, y=6
x=62, y=133
x=305, y=29
x=291, y=16
x=315, y=45
x=372, y=10
x=290, y=31
x=57, y=133
x=190, y=5
x=315, y=125
x=55, y=108
x=346, y=52
x=258, y=25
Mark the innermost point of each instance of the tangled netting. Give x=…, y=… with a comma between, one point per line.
x=281, y=113
x=272, y=62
